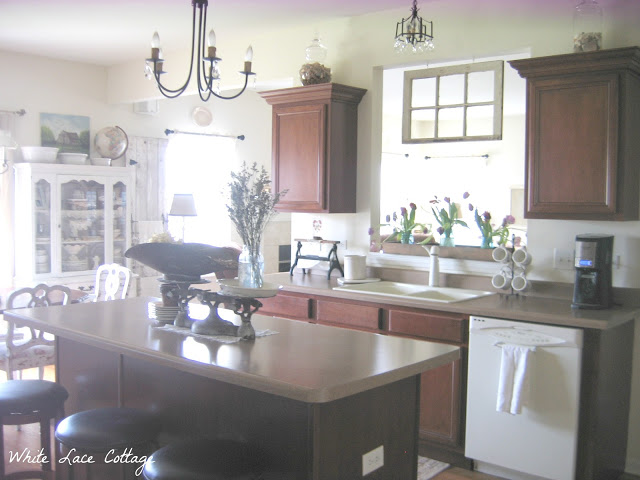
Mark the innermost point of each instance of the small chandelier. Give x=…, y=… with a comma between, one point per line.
x=207, y=69
x=412, y=33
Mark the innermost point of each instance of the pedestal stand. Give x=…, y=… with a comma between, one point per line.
x=214, y=325
x=332, y=256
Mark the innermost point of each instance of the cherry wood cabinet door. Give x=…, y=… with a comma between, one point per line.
x=441, y=403
x=573, y=146
x=299, y=156
x=443, y=390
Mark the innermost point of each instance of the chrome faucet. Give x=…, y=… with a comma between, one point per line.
x=434, y=269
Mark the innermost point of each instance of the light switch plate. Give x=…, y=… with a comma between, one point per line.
x=372, y=460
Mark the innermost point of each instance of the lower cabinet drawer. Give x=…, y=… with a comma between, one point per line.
x=287, y=306
x=356, y=316
x=439, y=326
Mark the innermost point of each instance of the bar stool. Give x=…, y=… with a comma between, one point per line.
x=205, y=459
x=31, y=401
x=101, y=430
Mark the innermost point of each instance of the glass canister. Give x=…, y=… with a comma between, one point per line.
x=314, y=71
x=587, y=27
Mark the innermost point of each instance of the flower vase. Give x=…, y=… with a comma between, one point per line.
x=406, y=237
x=446, y=240
x=487, y=242
x=250, y=268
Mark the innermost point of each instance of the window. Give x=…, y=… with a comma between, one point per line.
x=453, y=103
x=201, y=165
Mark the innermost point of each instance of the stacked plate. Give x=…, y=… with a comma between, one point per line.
x=163, y=313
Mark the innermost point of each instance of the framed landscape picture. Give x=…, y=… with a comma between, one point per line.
x=69, y=133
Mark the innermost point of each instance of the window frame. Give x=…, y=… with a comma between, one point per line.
x=496, y=66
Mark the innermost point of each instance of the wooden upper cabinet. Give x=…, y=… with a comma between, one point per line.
x=583, y=118
x=314, y=149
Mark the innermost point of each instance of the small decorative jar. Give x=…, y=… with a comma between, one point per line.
x=587, y=27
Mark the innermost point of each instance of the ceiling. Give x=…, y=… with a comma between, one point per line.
x=108, y=32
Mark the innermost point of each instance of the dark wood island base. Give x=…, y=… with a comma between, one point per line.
x=312, y=399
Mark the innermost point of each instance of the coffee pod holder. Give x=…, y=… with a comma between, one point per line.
x=512, y=268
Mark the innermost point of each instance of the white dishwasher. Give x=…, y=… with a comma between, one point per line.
x=541, y=441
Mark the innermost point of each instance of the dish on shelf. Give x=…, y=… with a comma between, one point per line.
x=74, y=265
x=39, y=154
x=73, y=158
x=101, y=162
x=77, y=203
x=232, y=287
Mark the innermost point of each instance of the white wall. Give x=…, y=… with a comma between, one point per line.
x=358, y=48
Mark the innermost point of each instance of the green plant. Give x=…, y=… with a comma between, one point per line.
x=486, y=228
x=404, y=226
x=448, y=216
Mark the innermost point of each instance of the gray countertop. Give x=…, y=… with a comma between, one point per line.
x=302, y=361
x=525, y=308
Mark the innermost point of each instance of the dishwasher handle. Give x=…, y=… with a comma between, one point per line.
x=522, y=336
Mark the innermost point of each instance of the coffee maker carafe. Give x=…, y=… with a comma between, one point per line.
x=593, y=258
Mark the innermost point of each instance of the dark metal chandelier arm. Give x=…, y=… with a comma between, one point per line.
x=246, y=81
x=174, y=93
x=206, y=70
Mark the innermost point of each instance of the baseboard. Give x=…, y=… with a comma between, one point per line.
x=629, y=476
x=443, y=454
x=632, y=469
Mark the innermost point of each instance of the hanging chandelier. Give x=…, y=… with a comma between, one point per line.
x=207, y=69
x=413, y=33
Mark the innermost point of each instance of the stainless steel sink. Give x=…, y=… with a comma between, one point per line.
x=414, y=291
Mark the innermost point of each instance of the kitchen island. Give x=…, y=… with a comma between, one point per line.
x=314, y=399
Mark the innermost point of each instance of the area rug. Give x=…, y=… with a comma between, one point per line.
x=428, y=468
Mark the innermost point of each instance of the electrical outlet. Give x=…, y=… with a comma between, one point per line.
x=372, y=460
x=563, y=259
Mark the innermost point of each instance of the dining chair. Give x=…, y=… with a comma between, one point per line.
x=112, y=281
x=26, y=347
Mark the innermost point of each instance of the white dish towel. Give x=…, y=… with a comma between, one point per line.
x=513, y=377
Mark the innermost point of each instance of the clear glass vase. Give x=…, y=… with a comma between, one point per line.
x=487, y=242
x=446, y=240
x=406, y=237
x=250, y=268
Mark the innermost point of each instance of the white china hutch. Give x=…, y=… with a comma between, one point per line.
x=69, y=220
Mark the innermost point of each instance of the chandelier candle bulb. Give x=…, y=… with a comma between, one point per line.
x=211, y=44
x=248, y=57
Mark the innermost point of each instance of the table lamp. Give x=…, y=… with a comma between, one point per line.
x=183, y=205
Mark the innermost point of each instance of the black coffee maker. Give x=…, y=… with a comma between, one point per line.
x=593, y=259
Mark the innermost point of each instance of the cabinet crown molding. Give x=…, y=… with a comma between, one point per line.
x=627, y=58
x=322, y=91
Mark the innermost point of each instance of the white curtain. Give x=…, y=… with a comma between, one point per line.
x=200, y=165
x=7, y=124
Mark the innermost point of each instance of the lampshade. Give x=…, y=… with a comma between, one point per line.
x=183, y=205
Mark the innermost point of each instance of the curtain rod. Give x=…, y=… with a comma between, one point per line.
x=168, y=132
x=427, y=157
x=20, y=112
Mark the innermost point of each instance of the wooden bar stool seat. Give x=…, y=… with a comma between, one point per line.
x=102, y=430
x=205, y=459
x=32, y=401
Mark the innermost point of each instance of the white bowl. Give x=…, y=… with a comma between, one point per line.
x=101, y=162
x=39, y=154
x=73, y=158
